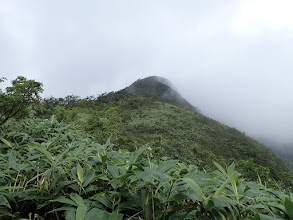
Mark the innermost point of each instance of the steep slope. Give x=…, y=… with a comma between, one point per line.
x=190, y=136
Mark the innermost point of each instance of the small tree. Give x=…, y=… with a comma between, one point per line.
x=15, y=100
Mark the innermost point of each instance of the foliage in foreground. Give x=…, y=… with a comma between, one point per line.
x=49, y=170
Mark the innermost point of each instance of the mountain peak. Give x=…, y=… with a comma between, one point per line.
x=159, y=88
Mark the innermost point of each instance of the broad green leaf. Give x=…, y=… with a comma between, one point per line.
x=220, y=168
x=219, y=202
x=164, y=182
x=5, y=141
x=256, y=217
x=289, y=207
x=64, y=200
x=96, y=213
x=124, y=177
x=79, y=171
x=9, y=188
x=113, y=170
x=222, y=215
x=144, y=197
x=222, y=187
x=260, y=216
x=5, y=212
x=75, y=187
x=136, y=155
x=61, y=185
x=63, y=208
x=42, y=149
x=70, y=214
x=194, y=186
x=251, y=193
x=12, y=160
x=258, y=206
x=76, y=198
x=149, y=175
x=115, y=216
x=104, y=158
x=115, y=183
x=103, y=177
x=167, y=165
x=103, y=200
x=231, y=170
x=80, y=212
x=4, y=201
x=108, y=143
x=234, y=186
x=277, y=206
x=88, y=178
x=92, y=188
x=52, y=119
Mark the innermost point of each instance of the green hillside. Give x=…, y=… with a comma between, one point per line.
x=52, y=170
x=143, y=114
x=131, y=155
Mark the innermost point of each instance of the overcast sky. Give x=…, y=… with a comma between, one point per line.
x=231, y=59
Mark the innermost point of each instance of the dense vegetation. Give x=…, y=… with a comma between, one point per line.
x=162, y=162
x=50, y=170
x=133, y=121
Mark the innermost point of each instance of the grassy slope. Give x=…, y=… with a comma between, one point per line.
x=191, y=134
x=178, y=132
x=187, y=135
x=146, y=115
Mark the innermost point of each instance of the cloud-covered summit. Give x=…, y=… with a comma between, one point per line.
x=159, y=88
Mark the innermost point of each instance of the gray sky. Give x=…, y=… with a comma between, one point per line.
x=231, y=59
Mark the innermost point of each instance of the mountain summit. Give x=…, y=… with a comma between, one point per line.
x=159, y=88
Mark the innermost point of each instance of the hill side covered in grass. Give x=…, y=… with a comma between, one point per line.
x=141, y=115
x=163, y=160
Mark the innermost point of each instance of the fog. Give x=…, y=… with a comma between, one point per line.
x=230, y=59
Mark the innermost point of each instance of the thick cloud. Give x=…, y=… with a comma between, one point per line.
x=231, y=60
